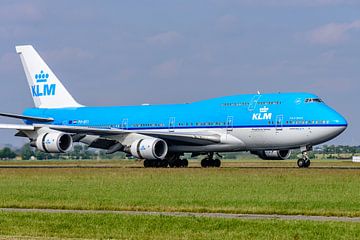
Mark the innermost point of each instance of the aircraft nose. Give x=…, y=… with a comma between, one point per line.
x=341, y=121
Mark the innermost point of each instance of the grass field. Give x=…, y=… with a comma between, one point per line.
x=233, y=190
x=241, y=189
x=106, y=226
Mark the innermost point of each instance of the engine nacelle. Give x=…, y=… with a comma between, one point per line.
x=54, y=142
x=149, y=148
x=273, y=154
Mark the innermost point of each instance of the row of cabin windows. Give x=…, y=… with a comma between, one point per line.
x=238, y=104
x=148, y=125
x=302, y=122
x=105, y=126
x=211, y=124
x=179, y=124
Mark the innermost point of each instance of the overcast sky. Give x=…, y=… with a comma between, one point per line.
x=133, y=52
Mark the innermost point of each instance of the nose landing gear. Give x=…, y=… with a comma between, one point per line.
x=304, y=161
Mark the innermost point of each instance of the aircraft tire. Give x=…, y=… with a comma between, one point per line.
x=307, y=163
x=147, y=163
x=217, y=163
x=178, y=163
x=171, y=164
x=205, y=163
x=184, y=163
x=301, y=163
x=164, y=163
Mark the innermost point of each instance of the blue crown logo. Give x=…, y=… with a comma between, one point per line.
x=41, y=77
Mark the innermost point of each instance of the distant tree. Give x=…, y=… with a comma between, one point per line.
x=7, y=153
x=42, y=155
x=26, y=152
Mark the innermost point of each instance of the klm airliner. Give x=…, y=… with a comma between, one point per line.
x=268, y=125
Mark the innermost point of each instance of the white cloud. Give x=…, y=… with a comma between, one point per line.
x=165, y=38
x=333, y=33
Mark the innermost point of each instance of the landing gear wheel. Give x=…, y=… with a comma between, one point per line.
x=184, y=163
x=164, y=163
x=147, y=163
x=177, y=163
x=217, y=163
x=171, y=164
x=304, y=162
x=205, y=163
x=210, y=162
x=301, y=163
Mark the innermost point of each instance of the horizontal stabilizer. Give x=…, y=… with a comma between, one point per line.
x=17, y=127
x=30, y=118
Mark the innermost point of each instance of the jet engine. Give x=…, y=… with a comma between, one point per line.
x=149, y=148
x=53, y=142
x=273, y=154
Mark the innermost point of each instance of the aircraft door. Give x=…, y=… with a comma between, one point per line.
x=229, y=124
x=124, y=124
x=279, y=123
x=254, y=102
x=171, y=124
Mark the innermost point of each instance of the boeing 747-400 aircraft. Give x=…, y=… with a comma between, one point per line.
x=268, y=125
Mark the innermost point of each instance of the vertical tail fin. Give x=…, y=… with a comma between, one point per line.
x=46, y=89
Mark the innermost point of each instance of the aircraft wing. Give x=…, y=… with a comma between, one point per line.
x=193, y=138
x=17, y=127
x=197, y=138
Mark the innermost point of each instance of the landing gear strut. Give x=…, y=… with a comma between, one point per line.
x=209, y=161
x=304, y=161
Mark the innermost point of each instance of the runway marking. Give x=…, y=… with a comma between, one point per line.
x=191, y=214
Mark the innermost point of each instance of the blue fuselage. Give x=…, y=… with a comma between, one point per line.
x=240, y=111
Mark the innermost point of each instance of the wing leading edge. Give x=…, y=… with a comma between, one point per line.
x=196, y=138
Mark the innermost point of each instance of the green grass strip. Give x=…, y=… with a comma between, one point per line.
x=107, y=226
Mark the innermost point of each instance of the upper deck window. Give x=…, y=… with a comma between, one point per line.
x=310, y=100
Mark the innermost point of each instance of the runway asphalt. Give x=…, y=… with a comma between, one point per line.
x=191, y=214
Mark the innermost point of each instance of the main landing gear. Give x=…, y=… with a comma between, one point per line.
x=304, y=161
x=173, y=162
x=157, y=163
x=209, y=161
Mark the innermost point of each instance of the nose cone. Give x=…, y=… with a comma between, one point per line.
x=338, y=122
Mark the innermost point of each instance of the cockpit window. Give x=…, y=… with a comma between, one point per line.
x=310, y=100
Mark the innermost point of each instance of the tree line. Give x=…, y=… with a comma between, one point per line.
x=81, y=151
